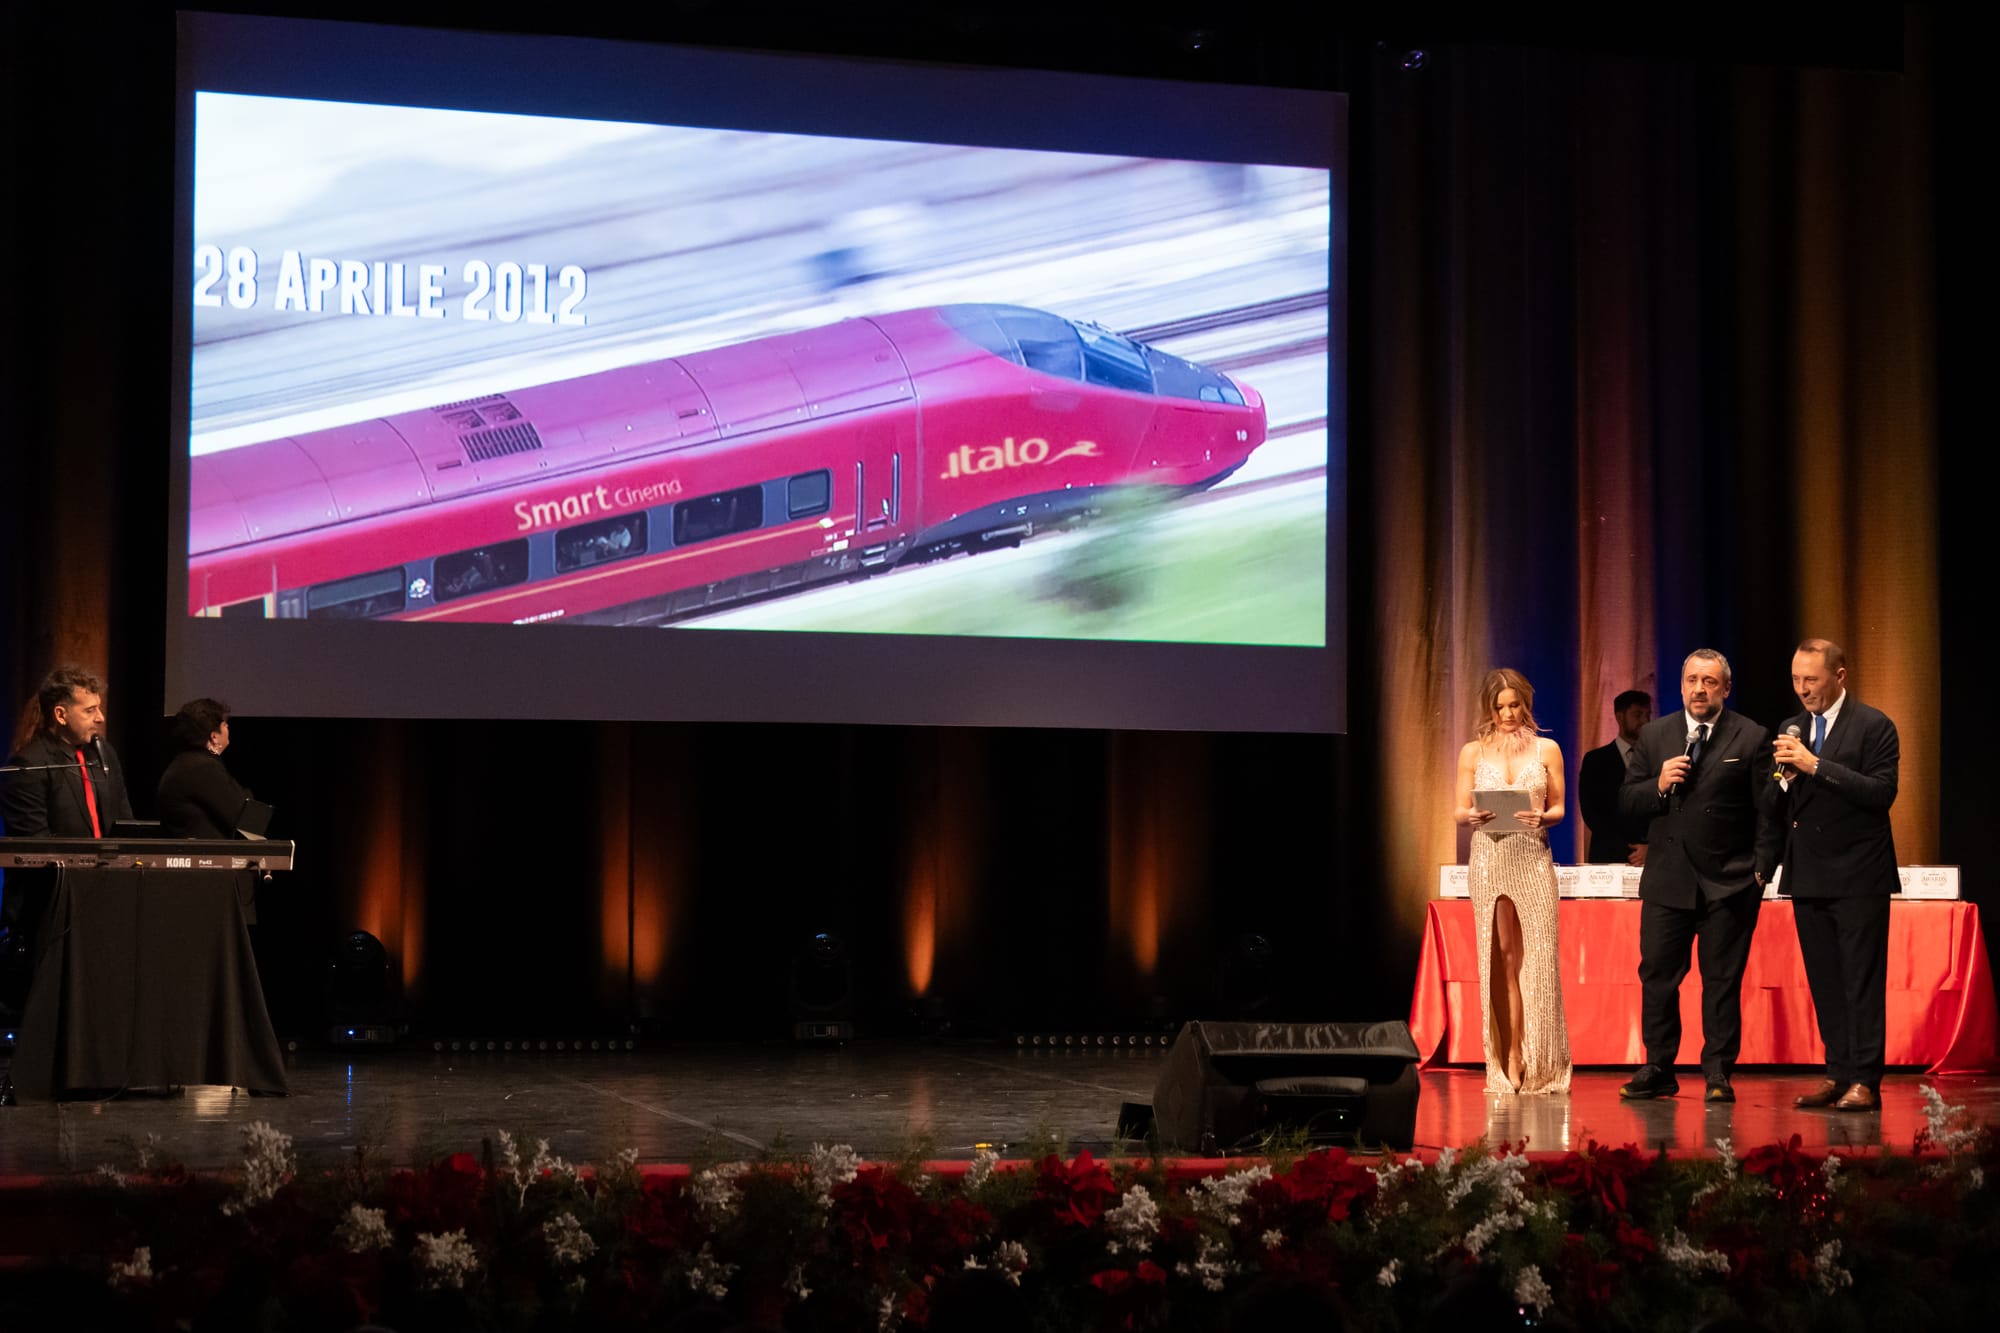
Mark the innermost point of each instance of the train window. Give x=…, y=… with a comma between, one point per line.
x=599, y=543
x=250, y=610
x=481, y=569
x=711, y=516
x=809, y=493
x=1221, y=393
x=362, y=597
x=1031, y=338
x=1114, y=362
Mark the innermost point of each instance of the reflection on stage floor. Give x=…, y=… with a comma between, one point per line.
x=678, y=1103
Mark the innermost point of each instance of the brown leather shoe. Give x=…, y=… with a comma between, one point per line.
x=1859, y=1097
x=1826, y=1094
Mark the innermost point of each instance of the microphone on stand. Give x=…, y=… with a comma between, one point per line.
x=97, y=744
x=1786, y=771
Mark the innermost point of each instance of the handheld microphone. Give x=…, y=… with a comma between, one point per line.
x=1786, y=771
x=1694, y=734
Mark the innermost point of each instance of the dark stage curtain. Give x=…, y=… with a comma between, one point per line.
x=1650, y=351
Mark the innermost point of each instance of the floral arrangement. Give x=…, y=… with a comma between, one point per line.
x=1605, y=1237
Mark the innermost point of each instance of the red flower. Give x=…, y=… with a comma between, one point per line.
x=1783, y=1166
x=1635, y=1244
x=876, y=1212
x=1600, y=1175
x=1076, y=1194
x=1128, y=1294
x=445, y=1196
x=1327, y=1183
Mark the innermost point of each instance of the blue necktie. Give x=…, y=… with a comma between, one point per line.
x=1819, y=730
x=1700, y=743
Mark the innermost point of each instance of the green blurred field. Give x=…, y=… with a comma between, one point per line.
x=1249, y=570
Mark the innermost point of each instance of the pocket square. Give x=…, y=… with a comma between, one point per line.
x=1734, y=759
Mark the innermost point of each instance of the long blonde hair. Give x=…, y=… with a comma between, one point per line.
x=1499, y=680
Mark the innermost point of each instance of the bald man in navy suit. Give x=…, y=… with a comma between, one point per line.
x=1839, y=760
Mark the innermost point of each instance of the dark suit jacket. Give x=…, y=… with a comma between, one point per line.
x=1722, y=828
x=52, y=804
x=1597, y=784
x=198, y=798
x=1838, y=844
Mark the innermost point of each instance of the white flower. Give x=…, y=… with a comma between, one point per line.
x=544, y=1162
x=982, y=1166
x=1727, y=1150
x=1010, y=1257
x=1390, y=1272
x=267, y=1164
x=1208, y=1265
x=828, y=1167
x=1273, y=1239
x=1827, y=1272
x=795, y=1282
x=885, y=1316
x=106, y=1171
x=139, y=1268
x=1509, y=1209
x=1829, y=1170
x=709, y=1275
x=568, y=1242
x=446, y=1259
x=1939, y=1116
x=628, y=1161
x=1134, y=1221
x=715, y=1190
x=1531, y=1291
x=1685, y=1255
x=1220, y=1197
x=363, y=1229
x=149, y=1152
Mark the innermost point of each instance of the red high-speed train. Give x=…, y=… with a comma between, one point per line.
x=657, y=490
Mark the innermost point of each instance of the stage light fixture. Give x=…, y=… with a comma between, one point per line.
x=361, y=1003
x=822, y=990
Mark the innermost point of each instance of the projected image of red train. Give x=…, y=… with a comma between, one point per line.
x=652, y=492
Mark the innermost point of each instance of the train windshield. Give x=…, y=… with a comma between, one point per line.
x=1114, y=361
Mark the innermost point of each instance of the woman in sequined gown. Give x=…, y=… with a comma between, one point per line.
x=1513, y=881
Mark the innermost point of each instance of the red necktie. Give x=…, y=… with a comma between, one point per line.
x=89, y=795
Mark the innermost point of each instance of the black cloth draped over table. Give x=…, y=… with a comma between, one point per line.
x=145, y=979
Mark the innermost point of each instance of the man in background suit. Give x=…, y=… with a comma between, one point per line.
x=1602, y=774
x=1839, y=760
x=1701, y=780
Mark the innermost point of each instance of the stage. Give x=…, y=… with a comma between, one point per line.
x=940, y=1100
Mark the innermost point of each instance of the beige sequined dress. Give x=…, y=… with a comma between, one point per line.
x=1520, y=867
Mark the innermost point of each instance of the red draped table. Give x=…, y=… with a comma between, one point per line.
x=1941, y=1004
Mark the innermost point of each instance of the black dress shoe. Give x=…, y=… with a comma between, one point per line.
x=1651, y=1081
x=1719, y=1090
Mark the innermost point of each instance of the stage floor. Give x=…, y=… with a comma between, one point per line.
x=686, y=1102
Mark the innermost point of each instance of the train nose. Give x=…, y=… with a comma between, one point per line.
x=1251, y=398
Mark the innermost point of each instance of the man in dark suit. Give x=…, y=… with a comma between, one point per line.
x=1839, y=759
x=1612, y=840
x=71, y=784
x=1701, y=781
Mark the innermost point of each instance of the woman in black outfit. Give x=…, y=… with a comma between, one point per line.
x=198, y=798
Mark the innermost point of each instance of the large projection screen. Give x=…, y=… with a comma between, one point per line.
x=561, y=378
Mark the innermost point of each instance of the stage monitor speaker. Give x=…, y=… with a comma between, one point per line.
x=1227, y=1086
